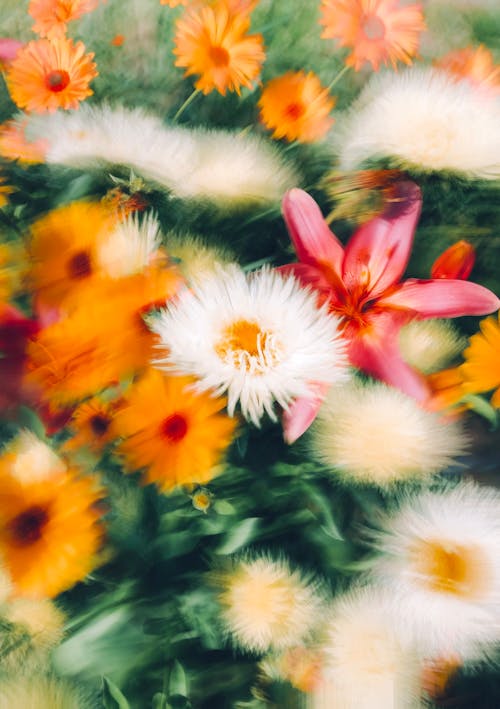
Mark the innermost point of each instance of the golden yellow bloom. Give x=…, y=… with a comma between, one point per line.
x=296, y=107
x=481, y=369
x=51, y=16
x=475, y=65
x=91, y=424
x=377, y=31
x=47, y=75
x=176, y=435
x=14, y=144
x=213, y=43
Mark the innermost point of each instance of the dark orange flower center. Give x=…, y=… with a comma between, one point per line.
x=99, y=424
x=80, y=265
x=294, y=111
x=174, y=428
x=219, y=56
x=57, y=80
x=373, y=27
x=27, y=527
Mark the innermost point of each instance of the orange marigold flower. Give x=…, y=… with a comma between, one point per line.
x=213, y=42
x=377, y=31
x=49, y=531
x=50, y=74
x=475, y=65
x=91, y=424
x=174, y=434
x=296, y=107
x=118, y=40
x=481, y=369
x=14, y=145
x=51, y=16
x=447, y=390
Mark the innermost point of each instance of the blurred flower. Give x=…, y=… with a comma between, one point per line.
x=8, y=51
x=29, y=460
x=172, y=433
x=201, y=499
x=15, y=332
x=14, y=144
x=436, y=675
x=374, y=434
x=130, y=247
x=475, y=65
x=47, y=75
x=377, y=31
x=195, y=259
x=49, y=534
x=457, y=261
x=125, y=203
x=439, y=560
x=422, y=121
x=367, y=664
x=430, y=345
x=265, y=605
x=51, y=16
x=262, y=339
x=299, y=665
x=447, y=390
x=41, y=692
x=91, y=424
x=213, y=42
x=361, y=283
x=481, y=369
x=296, y=107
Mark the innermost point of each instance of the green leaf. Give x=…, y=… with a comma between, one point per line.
x=238, y=536
x=160, y=701
x=112, y=697
x=482, y=407
x=177, y=682
x=223, y=507
x=322, y=511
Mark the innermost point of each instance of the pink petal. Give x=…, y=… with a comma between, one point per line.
x=310, y=277
x=443, y=298
x=8, y=50
x=314, y=242
x=377, y=254
x=300, y=415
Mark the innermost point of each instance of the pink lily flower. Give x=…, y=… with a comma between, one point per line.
x=362, y=284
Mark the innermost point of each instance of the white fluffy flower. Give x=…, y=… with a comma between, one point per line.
x=30, y=460
x=430, y=345
x=265, y=605
x=366, y=665
x=259, y=338
x=193, y=163
x=375, y=434
x=130, y=247
x=423, y=119
x=439, y=557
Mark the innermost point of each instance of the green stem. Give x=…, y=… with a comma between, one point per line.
x=186, y=103
x=337, y=78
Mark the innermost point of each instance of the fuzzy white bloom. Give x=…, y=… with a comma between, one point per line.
x=193, y=163
x=423, y=119
x=430, y=345
x=130, y=247
x=267, y=606
x=372, y=433
x=40, y=691
x=366, y=665
x=439, y=558
x=197, y=260
x=260, y=338
x=30, y=460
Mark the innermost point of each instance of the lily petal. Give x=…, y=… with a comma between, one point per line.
x=378, y=253
x=314, y=242
x=443, y=298
x=300, y=415
x=311, y=277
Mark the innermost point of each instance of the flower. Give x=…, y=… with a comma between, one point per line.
x=481, y=369
x=51, y=16
x=46, y=75
x=423, y=121
x=91, y=424
x=130, y=247
x=8, y=51
x=265, y=605
x=374, y=434
x=377, y=31
x=361, y=283
x=447, y=390
x=40, y=692
x=177, y=436
x=296, y=107
x=439, y=559
x=223, y=166
x=474, y=65
x=29, y=460
x=368, y=664
x=457, y=261
x=49, y=532
x=262, y=339
x=212, y=42
x=14, y=145
x=194, y=258
x=430, y=345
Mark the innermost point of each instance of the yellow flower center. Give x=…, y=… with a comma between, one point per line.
x=27, y=527
x=246, y=346
x=373, y=28
x=57, y=80
x=451, y=568
x=219, y=56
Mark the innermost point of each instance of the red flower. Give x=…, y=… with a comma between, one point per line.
x=456, y=262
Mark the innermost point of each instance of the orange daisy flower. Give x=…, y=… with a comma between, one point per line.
x=46, y=75
x=174, y=434
x=213, y=42
x=475, y=65
x=481, y=369
x=447, y=390
x=49, y=531
x=52, y=16
x=14, y=144
x=377, y=31
x=91, y=424
x=296, y=107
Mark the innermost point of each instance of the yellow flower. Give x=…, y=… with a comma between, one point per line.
x=296, y=107
x=481, y=369
x=91, y=424
x=46, y=75
x=212, y=42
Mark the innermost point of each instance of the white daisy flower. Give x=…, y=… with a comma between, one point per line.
x=217, y=165
x=423, y=119
x=439, y=557
x=262, y=339
x=130, y=247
